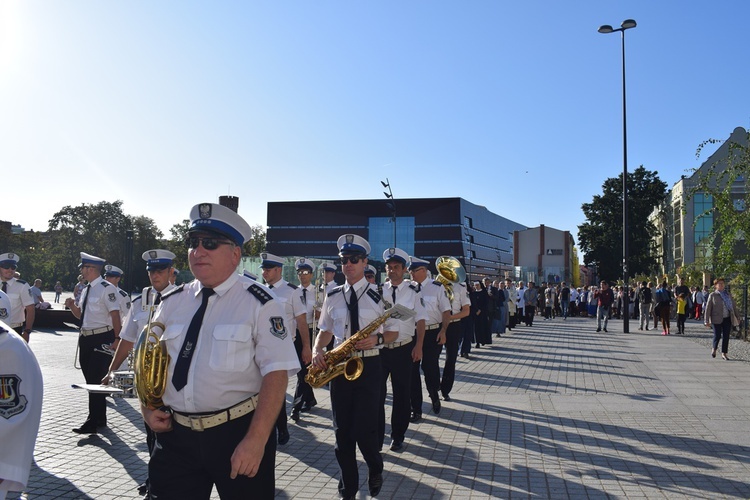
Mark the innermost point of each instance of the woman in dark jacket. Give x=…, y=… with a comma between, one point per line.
x=721, y=313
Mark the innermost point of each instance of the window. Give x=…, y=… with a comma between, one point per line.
x=381, y=232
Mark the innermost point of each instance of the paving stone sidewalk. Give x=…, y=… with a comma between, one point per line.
x=550, y=411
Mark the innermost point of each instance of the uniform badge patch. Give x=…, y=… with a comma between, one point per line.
x=152, y=254
x=111, y=297
x=3, y=312
x=11, y=402
x=421, y=299
x=204, y=210
x=277, y=327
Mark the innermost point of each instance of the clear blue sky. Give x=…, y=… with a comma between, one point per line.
x=512, y=105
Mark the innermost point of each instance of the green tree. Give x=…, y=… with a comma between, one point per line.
x=98, y=229
x=176, y=244
x=257, y=243
x=726, y=180
x=600, y=237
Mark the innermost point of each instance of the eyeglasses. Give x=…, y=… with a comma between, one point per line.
x=304, y=271
x=192, y=243
x=7, y=266
x=354, y=259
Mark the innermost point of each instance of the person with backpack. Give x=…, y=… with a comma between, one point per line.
x=663, y=306
x=644, y=304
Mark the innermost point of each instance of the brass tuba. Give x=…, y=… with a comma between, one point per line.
x=450, y=272
x=339, y=360
x=151, y=361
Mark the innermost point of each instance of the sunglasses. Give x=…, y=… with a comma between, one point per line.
x=7, y=266
x=192, y=243
x=305, y=272
x=354, y=259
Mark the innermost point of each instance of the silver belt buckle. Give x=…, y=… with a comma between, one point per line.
x=193, y=427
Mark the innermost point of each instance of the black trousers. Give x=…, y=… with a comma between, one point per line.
x=397, y=364
x=453, y=336
x=354, y=404
x=94, y=361
x=187, y=463
x=430, y=367
x=721, y=332
x=467, y=333
x=303, y=393
x=530, y=312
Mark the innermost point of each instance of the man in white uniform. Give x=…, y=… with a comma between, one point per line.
x=21, y=389
x=19, y=292
x=231, y=355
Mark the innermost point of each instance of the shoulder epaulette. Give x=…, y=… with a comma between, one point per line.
x=136, y=299
x=172, y=292
x=436, y=282
x=294, y=287
x=21, y=282
x=375, y=296
x=416, y=287
x=123, y=293
x=105, y=284
x=259, y=293
x=335, y=290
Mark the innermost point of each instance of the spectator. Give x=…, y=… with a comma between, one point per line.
x=58, y=292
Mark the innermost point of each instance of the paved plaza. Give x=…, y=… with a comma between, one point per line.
x=551, y=411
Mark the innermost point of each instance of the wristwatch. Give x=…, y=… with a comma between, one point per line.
x=381, y=339
x=27, y=330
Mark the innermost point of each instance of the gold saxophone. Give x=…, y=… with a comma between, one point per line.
x=339, y=360
x=151, y=363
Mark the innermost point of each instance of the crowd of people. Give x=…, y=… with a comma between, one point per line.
x=234, y=340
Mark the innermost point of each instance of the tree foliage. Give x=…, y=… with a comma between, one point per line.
x=257, y=243
x=600, y=237
x=726, y=180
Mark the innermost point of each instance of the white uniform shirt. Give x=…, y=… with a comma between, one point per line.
x=102, y=300
x=22, y=386
x=287, y=292
x=460, y=298
x=407, y=294
x=242, y=338
x=436, y=302
x=334, y=317
x=123, y=300
x=19, y=293
x=330, y=286
x=141, y=307
x=305, y=301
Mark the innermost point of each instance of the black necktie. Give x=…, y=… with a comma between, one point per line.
x=85, y=299
x=157, y=300
x=394, y=295
x=304, y=296
x=179, y=378
x=270, y=286
x=353, y=313
x=5, y=287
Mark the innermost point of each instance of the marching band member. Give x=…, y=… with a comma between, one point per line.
x=100, y=332
x=438, y=309
x=231, y=355
x=18, y=291
x=397, y=357
x=355, y=403
x=304, y=397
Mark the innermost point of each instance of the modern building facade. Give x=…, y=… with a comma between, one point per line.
x=426, y=227
x=685, y=223
x=544, y=254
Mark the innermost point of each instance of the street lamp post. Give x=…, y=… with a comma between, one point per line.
x=391, y=204
x=626, y=25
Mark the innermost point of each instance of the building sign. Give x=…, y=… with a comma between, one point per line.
x=554, y=251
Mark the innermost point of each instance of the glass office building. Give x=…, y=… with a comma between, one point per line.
x=426, y=227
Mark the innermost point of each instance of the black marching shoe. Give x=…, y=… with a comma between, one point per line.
x=415, y=417
x=436, y=405
x=294, y=415
x=88, y=427
x=284, y=436
x=397, y=445
x=375, y=482
x=308, y=406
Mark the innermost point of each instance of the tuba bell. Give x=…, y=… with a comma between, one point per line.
x=450, y=272
x=151, y=362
